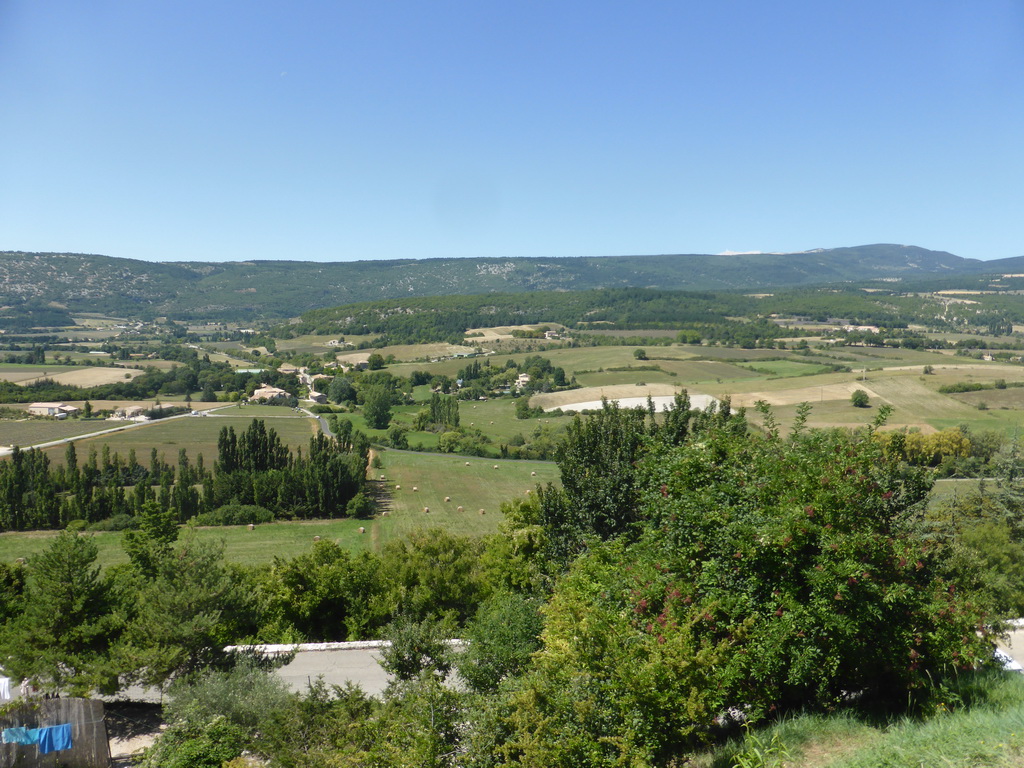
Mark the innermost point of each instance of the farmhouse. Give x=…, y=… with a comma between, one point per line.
x=129, y=412
x=57, y=410
x=269, y=393
x=317, y=397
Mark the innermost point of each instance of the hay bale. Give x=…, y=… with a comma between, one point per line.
x=467, y=463
x=252, y=527
x=414, y=489
x=533, y=474
x=528, y=491
x=426, y=510
x=316, y=538
x=495, y=466
x=482, y=512
x=459, y=509
x=447, y=498
x=398, y=487
x=384, y=513
x=361, y=529
x=382, y=477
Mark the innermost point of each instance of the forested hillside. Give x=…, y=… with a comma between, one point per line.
x=253, y=289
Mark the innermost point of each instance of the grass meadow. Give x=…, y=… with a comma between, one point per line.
x=27, y=432
x=471, y=483
x=988, y=732
x=474, y=487
x=196, y=434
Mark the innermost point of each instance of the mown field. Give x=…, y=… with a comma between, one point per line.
x=258, y=546
x=26, y=432
x=476, y=486
x=74, y=375
x=471, y=483
x=196, y=434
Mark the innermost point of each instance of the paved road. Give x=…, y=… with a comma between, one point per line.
x=119, y=428
x=336, y=668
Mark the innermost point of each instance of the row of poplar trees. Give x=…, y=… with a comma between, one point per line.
x=252, y=468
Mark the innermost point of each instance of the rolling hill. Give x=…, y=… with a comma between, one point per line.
x=277, y=289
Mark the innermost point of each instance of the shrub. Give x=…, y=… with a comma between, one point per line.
x=235, y=514
x=502, y=637
x=360, y=506
x=860, y=399
x=121, y=522
x=771, y=575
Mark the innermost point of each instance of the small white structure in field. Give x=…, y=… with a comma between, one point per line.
x=398, y=487
x=467, y=463
x=414, y=489
x=495, y=466
x=533, y=474
x=252, y=527
x=382, y=477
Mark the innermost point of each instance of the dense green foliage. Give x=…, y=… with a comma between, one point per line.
x=253, y=468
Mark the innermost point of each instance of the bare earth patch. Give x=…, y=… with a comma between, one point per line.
x=840, y=391
x=88, y=377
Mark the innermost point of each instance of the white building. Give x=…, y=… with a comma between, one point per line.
x=269, y=393
x=57, y=410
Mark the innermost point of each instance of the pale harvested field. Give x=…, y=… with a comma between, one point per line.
x=19, y=374
x=502, y=331
x=795, y=396
x=86, y=377
x=910, y=395
x=558, y=399
x=111, y=405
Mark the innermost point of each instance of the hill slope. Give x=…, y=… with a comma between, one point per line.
x=286, y=288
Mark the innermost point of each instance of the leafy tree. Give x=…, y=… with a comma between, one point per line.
x=859, y=399
x=375, y=361
x=416, y=647
x=186, y=614
x=326, y=594
x=771, y=574
x=502, y=637
x=640, y=354
x=151, y=542
x=342, y=390
x=64, y=635
x=377, y=406
x=398, y=437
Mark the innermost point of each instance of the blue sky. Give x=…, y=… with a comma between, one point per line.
x=334, y=131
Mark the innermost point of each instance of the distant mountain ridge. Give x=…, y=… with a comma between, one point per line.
x=276, y=289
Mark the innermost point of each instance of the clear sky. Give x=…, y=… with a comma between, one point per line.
x=245, y=129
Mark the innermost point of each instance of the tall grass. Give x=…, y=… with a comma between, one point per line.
x=981, y=725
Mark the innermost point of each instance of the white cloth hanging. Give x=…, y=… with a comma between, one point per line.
x=5, y=688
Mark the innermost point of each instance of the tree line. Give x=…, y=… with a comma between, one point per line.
x=253, y=468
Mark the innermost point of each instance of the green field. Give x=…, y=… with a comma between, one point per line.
x=27, y=432
x=477, y=486
x=196, y=434
x=473, y=484
x=258, y=546
x=785, y=368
